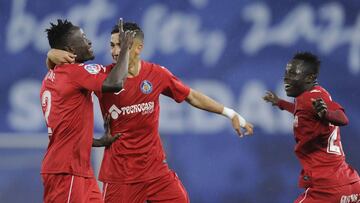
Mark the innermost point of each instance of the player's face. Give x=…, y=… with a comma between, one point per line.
x=115, y=46
x=81, y=46
x=295, y=79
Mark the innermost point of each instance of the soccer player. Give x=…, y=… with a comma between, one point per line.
x=134, y=167
x=68, y=110
x=325, y=175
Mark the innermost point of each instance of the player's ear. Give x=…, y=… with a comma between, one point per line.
x=139, y=48
x=70, y=49
x=310, y=78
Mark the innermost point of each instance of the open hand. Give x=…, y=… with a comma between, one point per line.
x=320, y=107
x=271, y=97
x=58, y=56
x=126, y=37
x=236, y=125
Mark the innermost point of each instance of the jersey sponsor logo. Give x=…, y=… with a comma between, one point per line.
x=353, y=198
x=143, y=108
x=93, y=68
x=146, y=87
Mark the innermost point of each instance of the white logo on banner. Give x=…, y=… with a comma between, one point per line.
x=302, y=23
x=324, y=27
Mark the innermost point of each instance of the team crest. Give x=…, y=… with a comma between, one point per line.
x=93, y=68
x=146, y=87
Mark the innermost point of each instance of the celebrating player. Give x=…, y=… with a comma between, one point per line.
x=68, y=109
x=134, y=168
x=325, y=174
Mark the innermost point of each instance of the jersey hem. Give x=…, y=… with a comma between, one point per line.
x=106, y=180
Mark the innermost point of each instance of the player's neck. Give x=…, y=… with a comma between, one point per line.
x=134, y=68
x=312, y=85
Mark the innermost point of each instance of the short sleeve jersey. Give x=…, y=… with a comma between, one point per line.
x=318, y=144
x=138, y=154
x=68, y=110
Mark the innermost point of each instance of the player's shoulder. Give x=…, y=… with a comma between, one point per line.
x=317, y=92
x=82, y=68
x=153, y=67
x=65, y=67
x=150, y=65
x=108, y=67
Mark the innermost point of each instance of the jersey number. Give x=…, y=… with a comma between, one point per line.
x=334, y=148
x=46, y=102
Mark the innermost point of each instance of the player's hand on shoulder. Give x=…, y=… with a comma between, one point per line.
x=271, y=97
x=320, y=107
x=59, y=56
x=126, y=37
x=241, y=131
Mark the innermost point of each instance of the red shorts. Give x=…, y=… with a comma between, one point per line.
x=165, y=189
x=66, y=188
x=342, y=194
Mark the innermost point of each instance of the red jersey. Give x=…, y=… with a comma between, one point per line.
x=68, y=109
x=138, y=154
x=318, y=145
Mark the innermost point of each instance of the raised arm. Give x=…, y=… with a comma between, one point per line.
x=201, y=101
x=116, y=78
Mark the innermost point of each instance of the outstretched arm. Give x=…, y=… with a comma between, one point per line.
x=201, y=101
x=276, y=101
x=336, y=117
x=285, y=105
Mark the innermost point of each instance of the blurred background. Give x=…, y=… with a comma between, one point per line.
x=232, y=50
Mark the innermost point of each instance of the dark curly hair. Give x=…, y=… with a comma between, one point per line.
x=312, y=61
x=58, y=34
x=132, y=27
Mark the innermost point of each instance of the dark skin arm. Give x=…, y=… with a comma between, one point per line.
x=276, y=101
x=116, y=78
x=336, y=117
x=106, y=140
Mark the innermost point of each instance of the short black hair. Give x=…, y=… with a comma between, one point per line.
x=131, y=26
x=310, y=59
x=59, y=34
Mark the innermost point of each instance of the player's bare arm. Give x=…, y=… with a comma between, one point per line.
x=107, y=139
x=272, y=98
x=201, y=101
x=335, y=117
x=116, y=78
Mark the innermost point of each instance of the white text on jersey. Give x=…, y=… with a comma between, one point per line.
x=144, y=108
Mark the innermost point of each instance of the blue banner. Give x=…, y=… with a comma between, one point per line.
x=233, y=51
